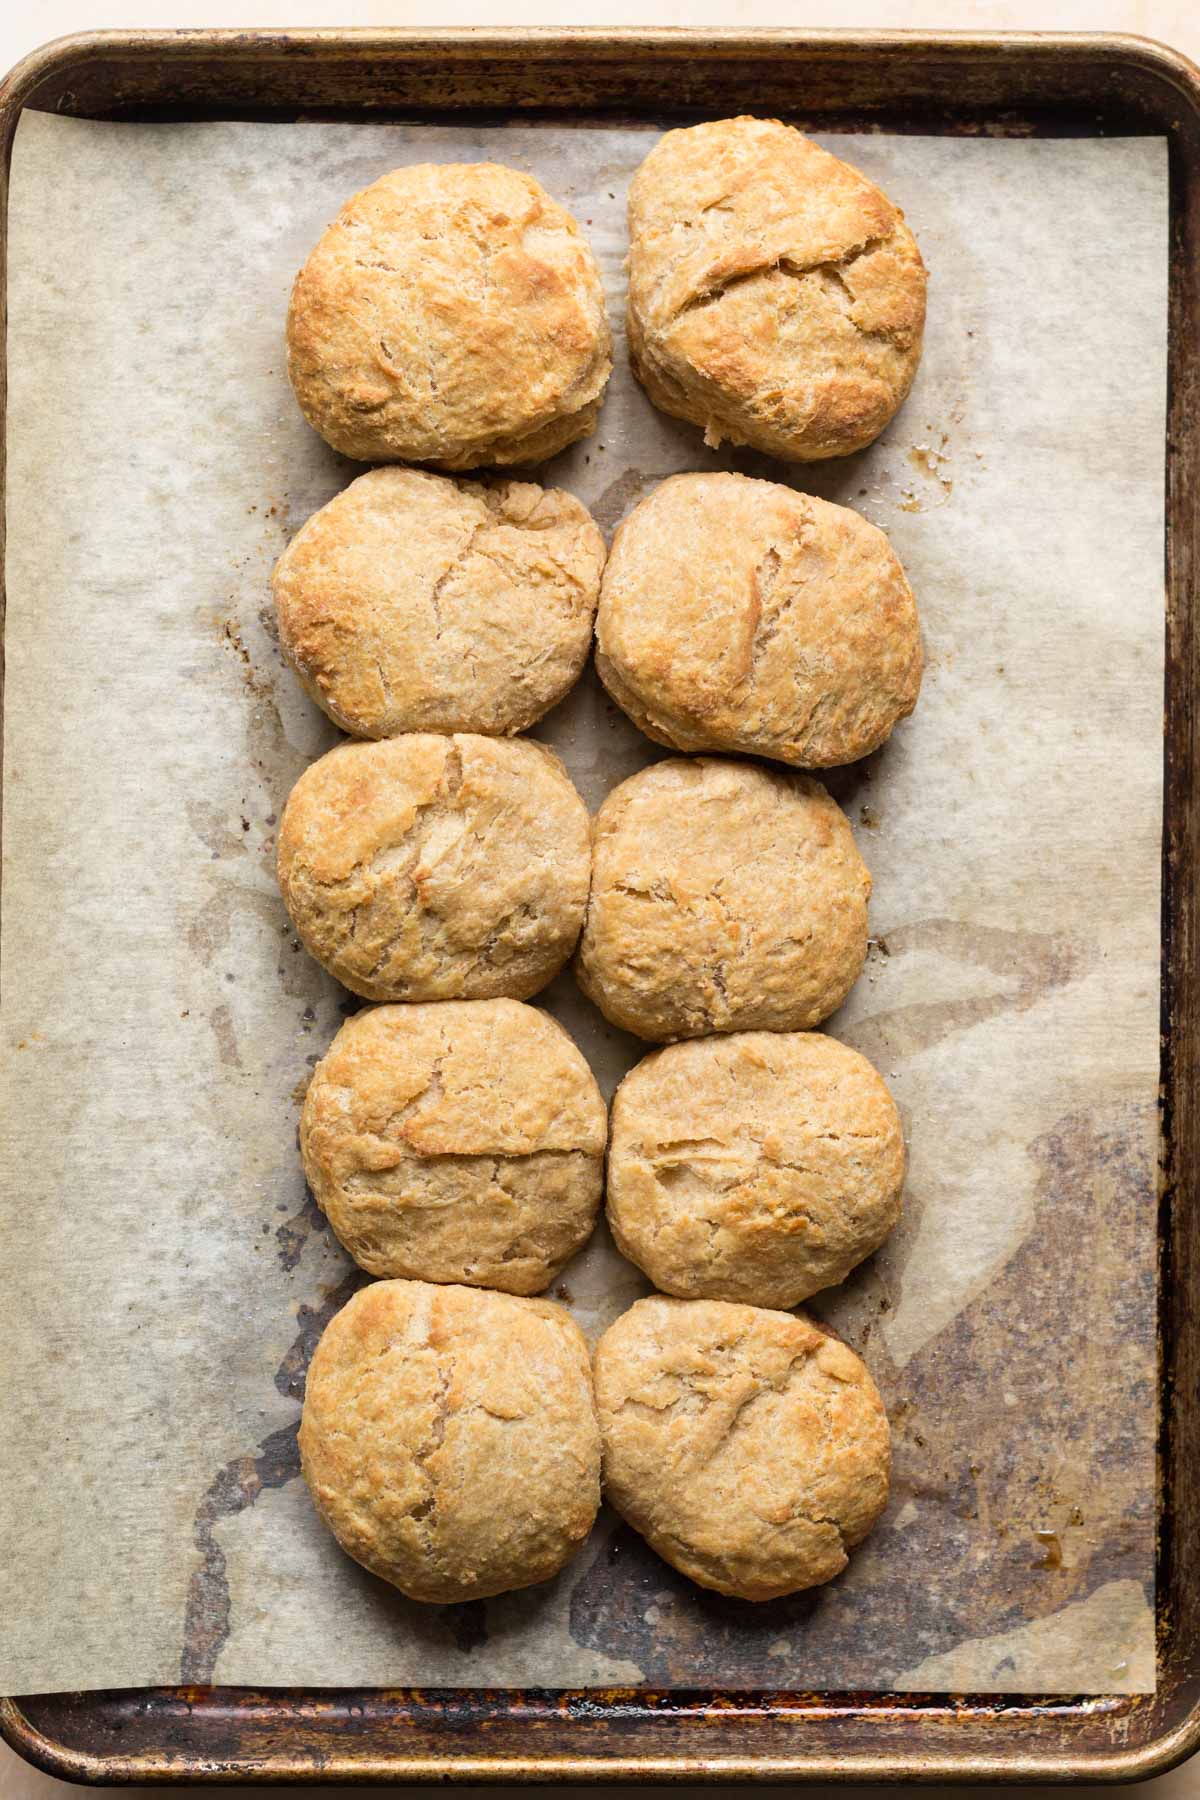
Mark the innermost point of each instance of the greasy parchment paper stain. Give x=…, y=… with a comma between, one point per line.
x=167, y=1274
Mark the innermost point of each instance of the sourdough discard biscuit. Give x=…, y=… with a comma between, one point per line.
x=461, y=1141
x=776, y=297
x=413, y=602
x=452, y=314
x=449, y=1438
x=749, y=1448
x=758, y=1167
x=436, y=868
x=725, y=897
x=739, y=615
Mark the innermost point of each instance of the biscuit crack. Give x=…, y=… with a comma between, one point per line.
x=720, y=285
x=763, y=1386
x=485, y=956
x=448, y=573
x=425, y=1510
x=671, y=1147
x=655, y=893
x=767, y=611
x=829, y=273
x=431, y=1093
x=385, y=684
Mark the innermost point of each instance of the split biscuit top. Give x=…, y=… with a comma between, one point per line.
x=414, y=602
x=452, y=314
x=461, y=1141
x=737, y=614
x=749, y=1448
x=436, y=868
x=449, y=1438
x=725, y=897
x=776, y=297
x=760, y=1167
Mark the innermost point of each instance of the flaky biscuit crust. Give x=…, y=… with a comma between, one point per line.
x=736, y=614
x=452, y=314
x=460, y=1142
x=748, y=1447
x=436, y=868
x=414, y=602
x=758, y=1167
x=449, y=1438
x=776, y=297
x=725, y=897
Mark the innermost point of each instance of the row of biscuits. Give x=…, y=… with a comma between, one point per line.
x=453, y=1440
x=458, y=1137
x=453, y=314
x=732, y=614
x=465, y=1142
x=707, y=894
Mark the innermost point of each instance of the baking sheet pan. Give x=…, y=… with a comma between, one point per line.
x=864, y=803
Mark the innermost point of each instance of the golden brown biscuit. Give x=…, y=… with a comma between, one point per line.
x=776, y=297
x=436, y=868
x=413, y=602
x=449, y=1438
x=739, y=615
x=725, y=897
x=451, y=314
x=756, y=1167
x=749, y=1448
x=462, y=1141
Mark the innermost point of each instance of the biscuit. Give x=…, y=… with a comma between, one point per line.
x=749, y=1448
x=776, y=297
x=449, y=1438
x=739, y=615
x=436, y=868
x=413, y=602
x=757, y=1167
x=461, y=1141
x=452, y=314
x=725, y=897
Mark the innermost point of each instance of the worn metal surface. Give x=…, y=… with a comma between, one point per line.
x=965, y=84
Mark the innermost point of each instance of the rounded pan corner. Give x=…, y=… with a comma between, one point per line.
x=1158, y=59
x=41, y=1752
x=21, y=83
x=1163, y=1751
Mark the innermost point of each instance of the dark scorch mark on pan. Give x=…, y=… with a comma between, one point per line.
x=1029, y=1415
x=272, y=1464
x=234, y=1488
x=295, y=1232
x=622, y=495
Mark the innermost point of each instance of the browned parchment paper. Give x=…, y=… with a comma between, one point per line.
x=166, y=1275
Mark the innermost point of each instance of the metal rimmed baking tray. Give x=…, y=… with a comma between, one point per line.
x=836, y=81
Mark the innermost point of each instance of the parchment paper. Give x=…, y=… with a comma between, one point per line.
x=166, y=1274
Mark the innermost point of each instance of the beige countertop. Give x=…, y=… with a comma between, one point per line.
x=1176, y=22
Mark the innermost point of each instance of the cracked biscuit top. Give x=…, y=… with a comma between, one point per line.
x=436, y=868
x=736, y=614
x=460, y=1141
x=414, y=602
x=749, y=1448
x=449, y=1438
x=759, y=1167
x=725, y=897
x=776, y=297
x=452, y=314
